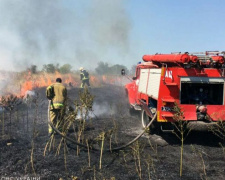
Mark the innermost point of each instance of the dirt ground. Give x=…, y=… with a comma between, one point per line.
x=154, y=156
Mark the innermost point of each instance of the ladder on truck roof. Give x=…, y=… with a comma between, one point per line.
x=206, y=53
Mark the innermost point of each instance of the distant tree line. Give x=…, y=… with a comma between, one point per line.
x=51, y=68
x=101, y=69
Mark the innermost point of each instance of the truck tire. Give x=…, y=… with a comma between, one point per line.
x=145, y=119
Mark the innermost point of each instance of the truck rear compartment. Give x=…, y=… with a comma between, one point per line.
x=202, y=90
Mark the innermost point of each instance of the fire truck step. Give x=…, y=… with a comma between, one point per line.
x=167, y=128
x=167, y=114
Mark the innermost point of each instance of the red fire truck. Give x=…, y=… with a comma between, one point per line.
x=193, y=81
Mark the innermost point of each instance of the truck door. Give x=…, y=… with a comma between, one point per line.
x=133, y=87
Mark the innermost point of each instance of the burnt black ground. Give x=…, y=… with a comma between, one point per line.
x=203, y=157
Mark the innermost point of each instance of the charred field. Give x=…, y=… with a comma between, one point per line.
x=25, y=151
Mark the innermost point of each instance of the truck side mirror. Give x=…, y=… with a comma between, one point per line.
x=123, y=72
x=134, y=78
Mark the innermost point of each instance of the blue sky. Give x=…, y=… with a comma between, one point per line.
x=166, y=26
x=85, y=32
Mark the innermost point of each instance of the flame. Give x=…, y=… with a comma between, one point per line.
x=104, y=79
x=21, y=83
x=26, y=86
x=44, y=80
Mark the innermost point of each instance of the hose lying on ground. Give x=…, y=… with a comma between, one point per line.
x=94, y=149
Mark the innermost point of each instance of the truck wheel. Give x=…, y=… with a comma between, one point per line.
x=145, y=119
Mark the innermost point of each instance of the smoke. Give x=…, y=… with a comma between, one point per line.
x=6, y=83
x=3, y=85
x=101, y=109
x=79, y=33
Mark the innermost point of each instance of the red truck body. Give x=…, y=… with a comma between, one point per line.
x=194, y=82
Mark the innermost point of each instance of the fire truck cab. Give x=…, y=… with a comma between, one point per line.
x=193, y=81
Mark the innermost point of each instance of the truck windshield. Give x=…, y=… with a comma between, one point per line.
x=202, y=90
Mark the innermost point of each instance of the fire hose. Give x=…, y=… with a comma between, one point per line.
x=94, y=149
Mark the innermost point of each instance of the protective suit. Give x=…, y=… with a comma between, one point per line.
x=84, y=77
x=57, y=94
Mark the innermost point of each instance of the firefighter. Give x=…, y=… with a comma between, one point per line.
x=57, y=94
x=84, y=77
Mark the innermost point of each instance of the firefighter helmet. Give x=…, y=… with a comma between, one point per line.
x=81, y=68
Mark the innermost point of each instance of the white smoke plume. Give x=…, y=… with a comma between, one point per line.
x=37, y=32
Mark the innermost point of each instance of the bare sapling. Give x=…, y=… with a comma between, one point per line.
x=89, y=155
x=181, y=131
x=223, y=148
x=136, y=152
x=102, y=137
x=218, y=129
x=124, y=156
x=155, y=149
x=199, y=153
x=34, y=133
x=83, y=106
x=150, y=165
x=9, y=103
x=65, y=154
